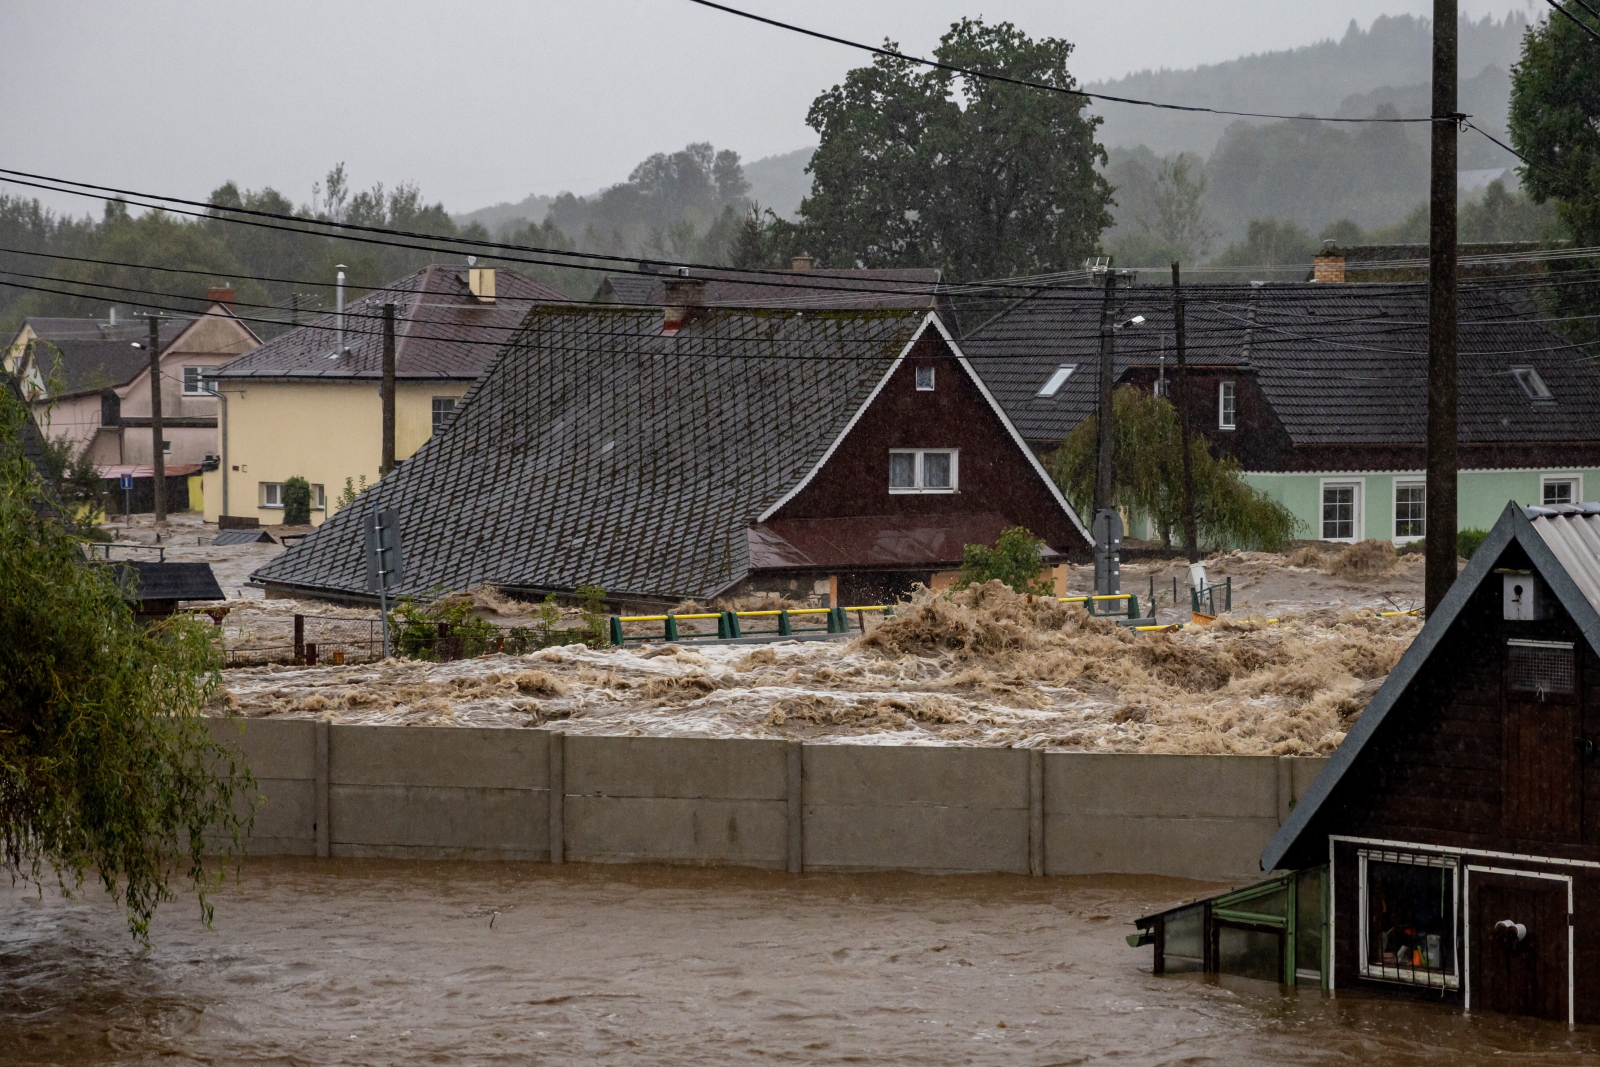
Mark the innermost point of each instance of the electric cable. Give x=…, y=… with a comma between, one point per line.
x=1590, y=30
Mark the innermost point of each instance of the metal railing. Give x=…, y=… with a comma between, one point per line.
x=1092, y=604
x=1208, y=596
x=730, y=625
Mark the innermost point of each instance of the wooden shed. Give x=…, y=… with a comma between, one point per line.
x=1451, y=848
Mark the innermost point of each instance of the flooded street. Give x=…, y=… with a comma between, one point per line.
x=387, y=962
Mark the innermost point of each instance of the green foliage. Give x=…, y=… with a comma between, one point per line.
x=763, y=240
x=1555, y=96
x=1147, y=455
x=1014, y=560
x=296, y=502
x=106, y=767
x=1169, y=210
x=1271, y=243
x=72, y=477
x=348, y=494
x=596, y=628
x=1469, y=541
x=415, y=633
x=924, y=168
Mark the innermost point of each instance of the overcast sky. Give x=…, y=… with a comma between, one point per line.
x=489, y=101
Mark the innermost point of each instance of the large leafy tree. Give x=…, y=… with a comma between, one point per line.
x=1555, y=97
x=106, y=768
x=925, y=167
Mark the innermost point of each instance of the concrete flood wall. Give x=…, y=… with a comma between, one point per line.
x=453, y=793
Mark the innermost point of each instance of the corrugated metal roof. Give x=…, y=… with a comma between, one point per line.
x=1573, y=534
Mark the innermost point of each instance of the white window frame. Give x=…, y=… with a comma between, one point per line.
x=1575, y=478
x=931, y=377
x=1394, y=515
x=1359, y=516
x=1405, y=975
x=201, y=386
x=1058, y=377
x=1532, y=383
x=269, y=490
x=918, y=487
x=319, y=497
x=1227, y=397
x=434, y=423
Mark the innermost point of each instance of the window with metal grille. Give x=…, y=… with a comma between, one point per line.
x=1410, y=509
x=1540, y=666
x=1339, y=512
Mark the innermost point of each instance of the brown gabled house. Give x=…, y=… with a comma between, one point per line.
x=835, y=456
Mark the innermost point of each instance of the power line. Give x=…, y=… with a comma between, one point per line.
x=1576, y=21
x=1083, y=93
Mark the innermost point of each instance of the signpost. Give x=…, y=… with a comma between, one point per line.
x=127, y=486
x=385, y=560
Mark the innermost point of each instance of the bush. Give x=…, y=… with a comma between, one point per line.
x=1014, y=560
x=1468, y=541
x=297, y=502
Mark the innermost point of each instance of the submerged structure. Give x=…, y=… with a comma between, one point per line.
x=1451, y=847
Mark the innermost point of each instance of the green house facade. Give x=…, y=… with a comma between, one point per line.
x=1319, y=391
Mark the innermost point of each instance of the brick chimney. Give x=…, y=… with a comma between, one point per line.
x=220, y=295
x=684, y=295
x=1328, y=265
x=803, y=261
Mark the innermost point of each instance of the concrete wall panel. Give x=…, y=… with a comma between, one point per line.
x=272, y=748
x=916, y=837
x=438, y=756
x=742, y=833
x=884, y=775
x=1219, y=849
x=1173, y=786
x=511, y=823
x=677, y=767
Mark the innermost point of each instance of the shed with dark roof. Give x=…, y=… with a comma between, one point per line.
x=1457, y=827
x=749, y=450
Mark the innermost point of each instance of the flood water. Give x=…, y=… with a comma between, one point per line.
x=382, y=962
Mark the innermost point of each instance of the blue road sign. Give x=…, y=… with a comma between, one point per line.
x=127, y=481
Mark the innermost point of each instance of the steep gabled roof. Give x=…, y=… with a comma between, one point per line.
x=899, y=287
x=441, y=331
x=1340, y=364
x=91, y=354
x=598, y=451
x=1563, y=544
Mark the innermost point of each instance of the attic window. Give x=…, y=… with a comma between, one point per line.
x=933, y=470
x=1531, y=383
x=1540, y=667
x=1057, y=379
x=925, y=379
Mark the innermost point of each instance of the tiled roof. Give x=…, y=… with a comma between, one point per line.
x=441, y=331
x=149, y=580
x=1340, y=364
x=908, y=287
x=597, y=451
x=94, y=355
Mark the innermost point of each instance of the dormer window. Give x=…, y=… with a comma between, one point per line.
x=1531, y=383
x=1057, y=379
x=924, y=379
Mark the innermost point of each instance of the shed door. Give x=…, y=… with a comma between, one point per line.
x=1541, y=756
x=1512, y=974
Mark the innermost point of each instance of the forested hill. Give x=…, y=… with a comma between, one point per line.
x=1394, y=52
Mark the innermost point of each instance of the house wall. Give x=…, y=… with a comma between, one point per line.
x=1482, y=494
x=993, y=470
x=323, y=431
x=74, y=417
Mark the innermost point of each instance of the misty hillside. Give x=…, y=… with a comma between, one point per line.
x=531, y=208
x=780, y=182
x=1316, y=79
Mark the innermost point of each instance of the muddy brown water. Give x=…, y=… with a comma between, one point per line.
x=386, y=962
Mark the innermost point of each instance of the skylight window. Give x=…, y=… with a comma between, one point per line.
x=1531, y=383
x=1057, y=379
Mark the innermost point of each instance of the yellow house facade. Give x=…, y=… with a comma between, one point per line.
x=308, y=404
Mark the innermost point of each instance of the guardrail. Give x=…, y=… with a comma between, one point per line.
x=1209, y=594
x=731, y=626
x=1090, y=603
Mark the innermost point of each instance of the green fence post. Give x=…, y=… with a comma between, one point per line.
x=1133, y=606
x=1229, y=589
x=783, y=623
x=722, y=627
x=616, y=631
x=672, y=628
x=734, y=629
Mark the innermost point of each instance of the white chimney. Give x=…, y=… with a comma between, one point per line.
x=113, y=321
x=338, y=305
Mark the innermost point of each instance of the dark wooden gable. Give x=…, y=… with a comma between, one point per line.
x=1455, y=751
x=996, y=473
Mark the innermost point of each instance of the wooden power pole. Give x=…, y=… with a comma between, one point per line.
x=158, y=460
x=1191, y=536
x=387, y=463
x=1103, y=475
x=1442, y=461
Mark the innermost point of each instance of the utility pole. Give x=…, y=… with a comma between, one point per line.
x=1103, y=439
x=1191, y=537
x=387, y=463
x=158, y=461
x=1442, y=460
